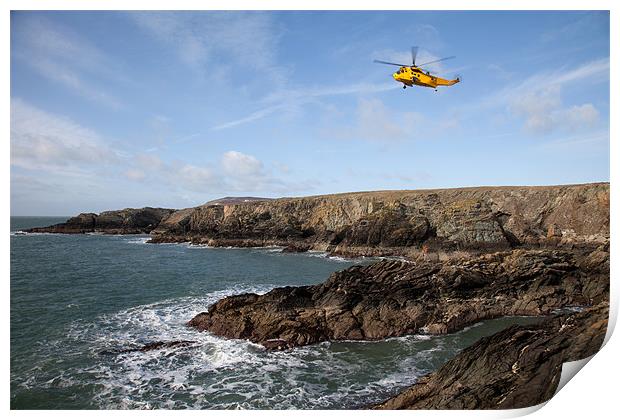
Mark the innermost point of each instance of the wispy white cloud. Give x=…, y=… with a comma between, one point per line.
x=148, y=161
x=58, y=147
x=195, y=178
x=44, y=141
x=233, y=172
x=237, y=164
x=374, y=121
x=591, y=72
x=537, y=108
x=247, y=173
x=588, y=73
x=538, y=98
x=425, y=34
x=254, y=116
x=135, y=174
x=324, y=91
x=500, y=71
x=581, y=115
x=584, y=24
x=292, y=98
x=584, y=142
x=64, y=75
x=65, y=58
x=208, y=41
x=25, y=185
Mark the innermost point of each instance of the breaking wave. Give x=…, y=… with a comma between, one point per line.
x=221, y=373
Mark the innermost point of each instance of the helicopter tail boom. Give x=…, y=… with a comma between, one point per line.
x=445, y=82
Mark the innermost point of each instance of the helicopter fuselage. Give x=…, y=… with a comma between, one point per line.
x=412, y=75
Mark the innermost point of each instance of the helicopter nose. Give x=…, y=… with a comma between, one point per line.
x=395, y=76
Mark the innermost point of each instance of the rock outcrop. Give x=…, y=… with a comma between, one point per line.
x=127, y=221
x=394, y=298
x=515, y=368
x=405, y=223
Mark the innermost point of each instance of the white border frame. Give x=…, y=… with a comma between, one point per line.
x=592, y=394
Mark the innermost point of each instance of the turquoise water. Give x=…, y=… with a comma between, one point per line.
x=75, y=296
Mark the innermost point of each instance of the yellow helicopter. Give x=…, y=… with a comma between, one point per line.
x=415, y=75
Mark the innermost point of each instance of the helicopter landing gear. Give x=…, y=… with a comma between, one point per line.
x=404, y=86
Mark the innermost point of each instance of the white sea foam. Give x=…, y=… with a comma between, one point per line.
x=568, y=310
x=272, y=249
x=214, y=372
x=469, y=327
x=222, y=373
x=22, y=233
x=327, y=255
x=139, y=241
x=198, y=246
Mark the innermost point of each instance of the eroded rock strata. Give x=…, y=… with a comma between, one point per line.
x=514, y=368
x=394, y=298
x=127, y=221
x=415, y=223
x=405, y=223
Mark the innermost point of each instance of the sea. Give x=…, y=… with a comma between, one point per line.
x=75, y=299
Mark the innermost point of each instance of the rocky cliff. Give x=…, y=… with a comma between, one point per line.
x=404, y=223
x=515, y=368
x=394, y=298
x=470, y=254
x=127, y=221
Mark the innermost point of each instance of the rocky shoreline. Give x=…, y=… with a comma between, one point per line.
x=466, y=255
x=515, y=368
x=393, y=298
x=114, y=222
x=410, y=224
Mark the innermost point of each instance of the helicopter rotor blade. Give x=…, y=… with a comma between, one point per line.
x=437, y=61
x=414, y=54
x=393, y=64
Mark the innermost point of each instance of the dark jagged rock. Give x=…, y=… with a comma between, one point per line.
x=296, y=248
x=156, y=345
x=394, y=298
x=273, y=345
x=127, y=221
x=406, y=223
x=515, y=368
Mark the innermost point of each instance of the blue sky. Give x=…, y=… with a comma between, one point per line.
x=128, y=109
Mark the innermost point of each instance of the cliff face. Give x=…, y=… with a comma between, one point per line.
x=403, y=222
x=407, y=223
x=127, y=221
